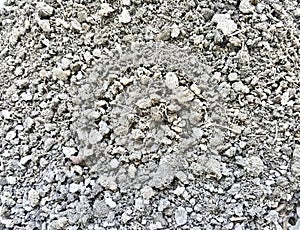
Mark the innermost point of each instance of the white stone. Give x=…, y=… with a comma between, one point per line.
x=6, y=114
x=45, y=25
x=114, y=163
x=26, y=96
x=132, y=171
x=103, y=128
x=233, y=77
x=110, y=202
x=24, y=160
x=224, y=23
x=246, y=7
x=163, y=204
x=68, y=151
x=60, y=74
x=240, y=87
x=183, y=94
x=124, y=17
x=95, y=136
x=74, y=188
x=147, y=192
x=28, y=122
x=33, y=197
x=126, y=2
x=11, y=180
x=179, y=190
x=180, y=216
x=105, y=9
x=61, y=222
x=10, y=135
x=195, y=89
x=175, y=31
x=2, y=3
x=97, y=53
x=143, y=103
x=76, y=25
x=171, y=80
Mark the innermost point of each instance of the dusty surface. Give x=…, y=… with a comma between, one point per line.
x=149, y=114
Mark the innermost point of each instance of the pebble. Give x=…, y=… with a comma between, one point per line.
x=45, y=25
x=26, y=96
x=114, y=163
x=33, y=197
x=11, y=135
x=175, y=31
x=60, y=74
x=246, y=7
x=224, y=23
x=6, y=114
x=240, y=87
x=181, y=216
x=182, y=94
x=24, y=160
x=11, y=180
x=45, y=11
x=147, y=192
x=124, y=17
x=110, y=202
x=233, y=77
x=68, y=151
x=106, y=9
x=163, y=204
x=171, y=80
x=97, y=53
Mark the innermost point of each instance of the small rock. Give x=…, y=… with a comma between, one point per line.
x=26, y=96
x=240, y=87
x=183, y=94
x=68, y=151
x=97, y=53
x=11, y=180
x=246, y=7
x=28, y=123
x=105, y=9
x=60, y=74
x=147, y=192
x=95, y=136
x=6, y=114
x=114, y=163
x=179, y=190
x=33, y=197
x=233, y=77
x=175, y=31
x=24, y=160
x=163, y=204
x=143, y=103
x=76, y=25
x=171, y=80
x=45, y=25
x=74, y=188
x=126, y=2
x=124, y=17
x=110, y=202
x=195, y=89
x=10, y=135
x=61, y=223
x=180, y=216
x=224, y=23
x=45, y=11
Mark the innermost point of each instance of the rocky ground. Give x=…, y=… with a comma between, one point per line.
x=152, y=114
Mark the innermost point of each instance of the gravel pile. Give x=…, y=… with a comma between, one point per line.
x=152, y=114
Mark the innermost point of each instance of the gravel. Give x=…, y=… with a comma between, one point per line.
x=149, y=114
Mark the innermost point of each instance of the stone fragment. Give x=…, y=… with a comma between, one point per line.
x=11, y=180
x=147, y=192
x=233, y=77
x=181, y=216
x=33, y=197
x=110, y=202
x=224, y=23
x=60, y=74
x=124, y=17
x=45, y=11
x=171, y=80
x=24, y=160
x=44, y=25
x=11, y=135
x=240, y=87
x=163, y=204
x=105, y=9
x=246, y=7
x=175, y=31
x=76, y=25
x=68, y=151
x=182, y=94
x=97, y=53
